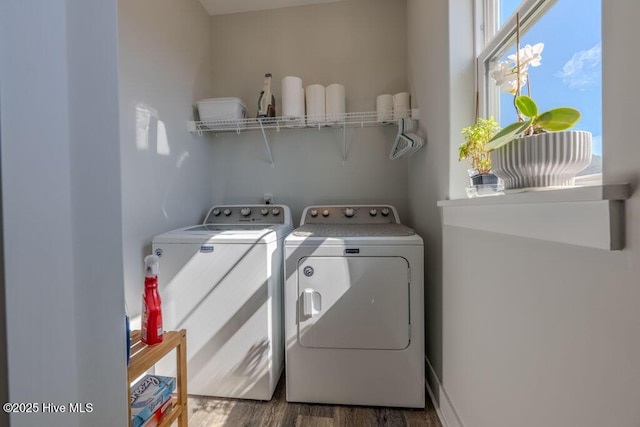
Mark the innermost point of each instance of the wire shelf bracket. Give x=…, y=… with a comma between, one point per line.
x=266, y=144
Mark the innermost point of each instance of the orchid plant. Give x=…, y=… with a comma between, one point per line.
x=511, y=76
x=516, y=68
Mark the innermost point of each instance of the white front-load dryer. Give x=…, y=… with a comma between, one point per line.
x=222, y=281
x=354, y=316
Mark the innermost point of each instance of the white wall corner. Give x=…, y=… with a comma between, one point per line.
x=461, y=88
x=440, y=398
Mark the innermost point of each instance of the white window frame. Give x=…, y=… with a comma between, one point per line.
x=491, y=39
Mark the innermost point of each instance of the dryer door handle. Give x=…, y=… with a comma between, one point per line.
x=311, y=302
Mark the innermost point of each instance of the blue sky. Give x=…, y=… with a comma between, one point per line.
x=570, y=74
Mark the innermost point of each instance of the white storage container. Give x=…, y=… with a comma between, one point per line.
x=221, y=109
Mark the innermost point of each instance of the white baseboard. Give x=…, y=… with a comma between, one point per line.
x=444, y=407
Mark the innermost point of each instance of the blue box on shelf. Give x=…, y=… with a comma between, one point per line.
x=149, y=394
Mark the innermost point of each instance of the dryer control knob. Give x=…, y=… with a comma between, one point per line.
x=275, y=211
x=349, y=212
x=385, y=212
x=227, y=212
x=264, y=211
x=313, y=213
x=216, y=212
x=373, y=212
x=245, y=211
x=325, y=212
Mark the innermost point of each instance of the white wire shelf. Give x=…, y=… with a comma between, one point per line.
x=369, y=118
x=324, y=121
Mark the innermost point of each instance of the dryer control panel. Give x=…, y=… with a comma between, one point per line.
x=253, y=214
x=351, y=214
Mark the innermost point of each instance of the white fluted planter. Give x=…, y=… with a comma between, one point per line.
x=544, y=160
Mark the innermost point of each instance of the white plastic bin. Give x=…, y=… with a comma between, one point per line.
x=214, y=109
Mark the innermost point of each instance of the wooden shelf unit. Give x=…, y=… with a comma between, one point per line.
x=143, y=357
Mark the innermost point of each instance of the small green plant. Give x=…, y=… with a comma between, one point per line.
x=557, y=119
x=476, y=137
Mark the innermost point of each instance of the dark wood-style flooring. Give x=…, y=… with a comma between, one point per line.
x=208, y=411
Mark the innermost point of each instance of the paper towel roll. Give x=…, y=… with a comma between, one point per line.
x=292, y=97
x=401, y=105
x=384, y=107
x=314, y=95
x=298, y=122
x=335, y=102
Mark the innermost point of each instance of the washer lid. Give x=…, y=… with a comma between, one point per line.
x=219, y=228
x=225, y=233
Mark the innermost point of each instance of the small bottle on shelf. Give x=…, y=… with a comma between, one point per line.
x=266, y=101
x=151, y=304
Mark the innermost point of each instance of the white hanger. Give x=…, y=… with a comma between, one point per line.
x=406, y=142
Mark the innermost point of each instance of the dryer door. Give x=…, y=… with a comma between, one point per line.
x=353, y=302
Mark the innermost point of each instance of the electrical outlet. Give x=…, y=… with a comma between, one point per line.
x=268, y=198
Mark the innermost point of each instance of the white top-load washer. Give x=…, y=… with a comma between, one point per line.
x=354, y=309
x=223, y=282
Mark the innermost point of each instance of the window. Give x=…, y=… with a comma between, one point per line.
x=570, y=73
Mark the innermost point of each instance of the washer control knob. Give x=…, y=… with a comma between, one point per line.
x=216, y=212
x=227, y=212
x=349, y=212
x=275, y=211
x=313, y=212
x=373, y=212
x=264, y=211
x=385, y=212
x=325, y=212
x=245, y=211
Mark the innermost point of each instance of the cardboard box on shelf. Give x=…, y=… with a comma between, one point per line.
x=148, y=395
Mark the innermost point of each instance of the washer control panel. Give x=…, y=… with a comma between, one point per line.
x=255, y=214
x=350, y=214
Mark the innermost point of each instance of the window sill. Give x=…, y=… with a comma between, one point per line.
x=576, y=194
x=585, y=216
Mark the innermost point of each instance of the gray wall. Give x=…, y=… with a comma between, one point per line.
x=428, y=170
x=164, y=67
x=440, y=70
x=4, y=374
x=61, y=209
x=360, y=44
x=521, y=331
